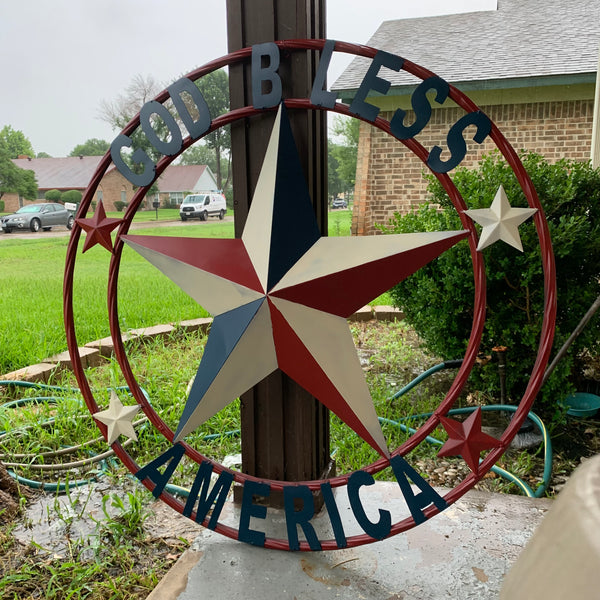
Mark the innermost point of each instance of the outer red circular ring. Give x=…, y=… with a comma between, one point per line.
x=479, y=310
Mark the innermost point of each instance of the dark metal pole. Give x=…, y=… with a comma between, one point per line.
x=285, y=431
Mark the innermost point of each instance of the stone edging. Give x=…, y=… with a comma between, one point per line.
x=95, y=353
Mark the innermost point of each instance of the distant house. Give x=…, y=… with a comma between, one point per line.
x=179, y=180
x=74, y=173
x=530, y=66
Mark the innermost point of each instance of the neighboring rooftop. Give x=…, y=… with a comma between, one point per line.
x=75, y=172
x=72, y=172
x=522, y=39
x=180, y=178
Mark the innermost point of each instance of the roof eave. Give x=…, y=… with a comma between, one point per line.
x=347, y=95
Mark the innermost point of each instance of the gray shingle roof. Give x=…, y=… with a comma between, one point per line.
x=72, y=172
x=75, y=172
x=522, y=39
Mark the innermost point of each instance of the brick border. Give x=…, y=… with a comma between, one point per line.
x=96, y=353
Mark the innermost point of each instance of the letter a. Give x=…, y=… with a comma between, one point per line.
x=171, y=458
x=427, y=495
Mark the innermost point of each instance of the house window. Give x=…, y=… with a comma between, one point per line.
x=175, y=197
x=124, y=196
x=100, y=195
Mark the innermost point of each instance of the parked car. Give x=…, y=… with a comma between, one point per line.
x=38, y=216
x=339, y=203
x=202, y=206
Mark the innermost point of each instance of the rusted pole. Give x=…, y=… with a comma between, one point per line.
x=285, y=431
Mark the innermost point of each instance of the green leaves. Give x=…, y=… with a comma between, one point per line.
x=438, y=299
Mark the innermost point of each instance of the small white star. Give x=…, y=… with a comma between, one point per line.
x=500, y=221
x=118, y=419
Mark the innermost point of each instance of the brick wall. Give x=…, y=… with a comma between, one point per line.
x=389, y=178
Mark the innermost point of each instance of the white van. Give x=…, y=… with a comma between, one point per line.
x=201, y=206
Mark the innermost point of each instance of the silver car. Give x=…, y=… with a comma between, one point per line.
x=38, y=216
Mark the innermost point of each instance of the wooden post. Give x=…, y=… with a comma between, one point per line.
x=285, y=431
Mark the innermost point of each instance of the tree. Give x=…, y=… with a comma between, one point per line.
x=215, y=90
x=334, y=183
x=15, y=180
x=120, y=111
x=199, y=154
x=15, y=143
x=43, y=155
x=437, y=300
x=345, y=150
x=91, y=147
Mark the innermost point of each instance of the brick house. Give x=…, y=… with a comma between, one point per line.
x=75, y=172
x=178, y=180
x=530, y=66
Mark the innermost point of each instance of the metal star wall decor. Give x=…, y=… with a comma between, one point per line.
x=118, y=419
x=281, y=294
x=500, y=221
x=98, y=229
x=466, y=439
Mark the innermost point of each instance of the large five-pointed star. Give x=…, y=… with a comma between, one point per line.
x=281, y=295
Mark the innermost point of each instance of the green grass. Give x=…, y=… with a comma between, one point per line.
x=32, y=270
x=142, y=216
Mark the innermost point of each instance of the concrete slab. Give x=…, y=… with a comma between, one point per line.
x=464, y=552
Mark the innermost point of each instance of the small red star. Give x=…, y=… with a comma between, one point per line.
x=98, y=229
x=467, y=440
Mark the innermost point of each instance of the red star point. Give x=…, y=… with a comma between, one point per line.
x=467, y=440
x=98, y=229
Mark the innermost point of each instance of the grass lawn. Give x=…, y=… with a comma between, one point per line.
x=31, y=271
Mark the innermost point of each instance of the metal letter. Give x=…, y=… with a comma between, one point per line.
x=156, y=108
x=262, y=74
x=198, y=127
x=456, y=142
x=320, y=96
x=138, y=157
x=421, y=106
x=373, y=82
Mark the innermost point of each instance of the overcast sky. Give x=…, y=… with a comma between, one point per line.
x=60, y=58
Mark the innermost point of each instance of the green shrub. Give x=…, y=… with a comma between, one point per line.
x=438, y=299
x=1, y=206
x=119, y=205
x=52, y=195
x=73, y=196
